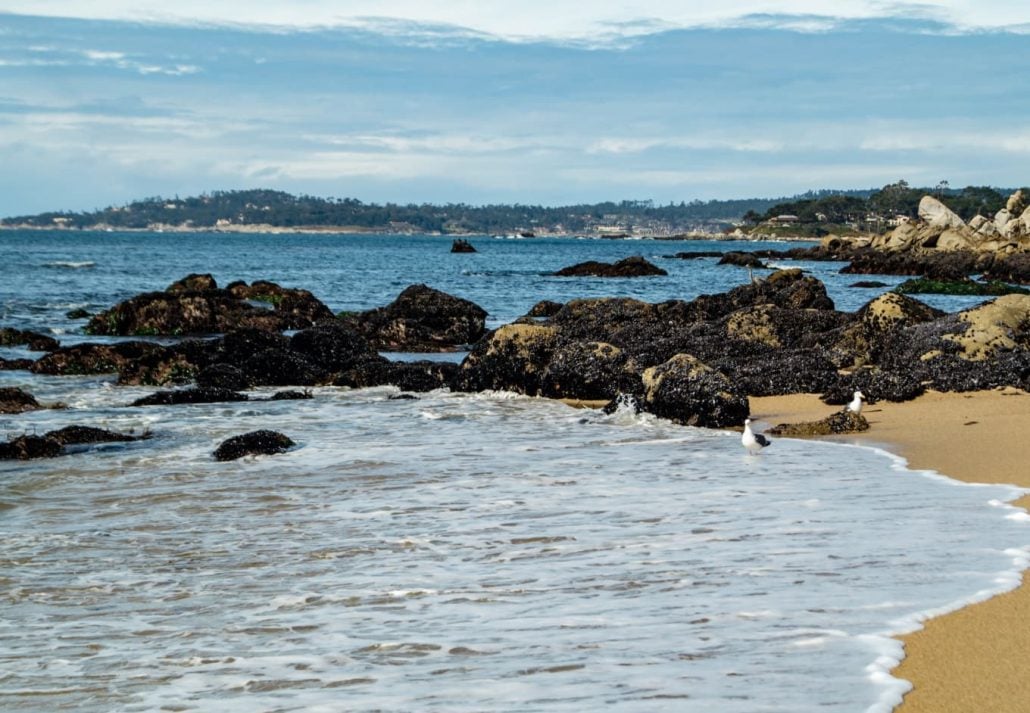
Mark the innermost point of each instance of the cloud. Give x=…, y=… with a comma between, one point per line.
x=600, y=22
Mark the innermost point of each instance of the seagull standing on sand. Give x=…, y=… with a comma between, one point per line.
x=855, y=406
x=754, y=442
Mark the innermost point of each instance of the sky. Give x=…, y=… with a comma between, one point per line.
x=104, y=102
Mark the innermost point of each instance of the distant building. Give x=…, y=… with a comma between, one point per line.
x=785, y=219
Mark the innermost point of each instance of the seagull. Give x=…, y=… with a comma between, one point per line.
x=855, y=406
x=754, y=442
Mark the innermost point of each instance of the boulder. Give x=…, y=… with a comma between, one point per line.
x=1017, y=203
x=421, y=319
x=687, y=391
x=635, y=266
x=742, y=259
x=190, y=396
x=544, y=309
x=261, y=442
x=876, y=385
x=223, y=376
x=16, y=364
x=93, y=358
x=513, y=358
x=193, y=283
x=282, y=367
x=35, y=342
x=462, y=246
x=418, y=376
x=841, y=422
x=28, y=447
x=81, y=435
x=333, y=346
x=1000, y=325
x=589, y=370
x=15, y=400
x=291, y=395
x=938, y=215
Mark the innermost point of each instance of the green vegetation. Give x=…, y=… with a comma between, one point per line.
x=921, y=286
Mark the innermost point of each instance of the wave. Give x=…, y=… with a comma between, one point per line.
x=70, y=265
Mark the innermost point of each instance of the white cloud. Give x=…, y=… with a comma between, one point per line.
x=600, y=21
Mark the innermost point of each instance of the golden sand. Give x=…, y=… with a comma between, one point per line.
x=977, y=659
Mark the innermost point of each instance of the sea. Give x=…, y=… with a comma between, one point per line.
x=453, y=552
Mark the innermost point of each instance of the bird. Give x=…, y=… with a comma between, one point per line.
x=855, y=406
x=753, y=442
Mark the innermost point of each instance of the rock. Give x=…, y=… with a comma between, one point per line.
x=695, y=254
x=333, y=346
x=743, y=259
x=841, y=422
x=935, y=213
x=421, y=319
x=254, y=443
x=513, y=358
x=686, y=391
x=1001, y=219
x=876, y=384
x=777, y=372
x=955, y=240
x=15, y=364
x=1017, y=203
x=223, y=376
x=1001, y=325
x=78, y=313
x=207, y=311
x=283, y=367
x=891, y=311
x=28, y=447
x=635, y=266
x=588, y=370
x=957, y=287
x=80, y=435
x=462, y=246
x=190, y=396
x=93, y=358
x=946, y=265
x=417, y=376
x=1014, y=268
x=158, y=368
x=35, y=342
x=870, y=284
x=193, y=283
x=291, y=396
x=544, y=308
x=14, y=400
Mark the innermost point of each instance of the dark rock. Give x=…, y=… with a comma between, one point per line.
x=193, y=283
x=1014, y=268
x=29, y=447
x=876, y=385
x=781, y=371
x=686, y=391
x=291, y=396
x=223, y=376
x=965, y=286
x=78, y=313
x=254, y=443
x=93, y=358
x=35, y=342
x=16, y=364
x=589, y=370
x=743, y=259
x=282, y=367
x=462, y=246
x=79, y=435
x=207, y=311
x=190, y=396
x=418, y=376
x=938, y=265
x=544, y=308
x=333, y=346
x=869, y=284
x=696, y=254
x=841, y=422
x=239, y=345
x=14, y=400
x=421, y=319
x=635, y=266
x=513, y=358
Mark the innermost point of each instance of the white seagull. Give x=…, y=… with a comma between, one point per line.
x=855, y=406
x=754, y=442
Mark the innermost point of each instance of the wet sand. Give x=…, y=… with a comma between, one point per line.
x=975, y=660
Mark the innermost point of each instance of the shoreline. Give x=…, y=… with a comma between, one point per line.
x=972, y=659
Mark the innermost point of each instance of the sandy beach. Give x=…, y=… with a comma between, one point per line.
x=976, y=659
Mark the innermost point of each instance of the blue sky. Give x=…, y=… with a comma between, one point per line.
x=105, y=102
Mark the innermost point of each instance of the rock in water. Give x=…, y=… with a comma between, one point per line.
x=841, y=422
x=635, y=266
x=14, y=400
x=262, y=442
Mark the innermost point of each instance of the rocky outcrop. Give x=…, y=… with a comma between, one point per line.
x=421, y=319
x=687, y=391
x=203, y=395
x=635, y=266
x=417, y=376
x=262, y=442
x=461, y=245
x=589, y=370
x=53, y=443
x=742, y=259
x=513, y=358
x=195, y=306
x=14, y=400
x=35, y=342
x=89, y=358
x=839, y=423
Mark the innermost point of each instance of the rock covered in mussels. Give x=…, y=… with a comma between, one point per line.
x=635, y=266
x=195, y=305
x=89, y=358
x=687, y=391
x=841, y=422
x=421, y=319
x=15, y=400
x=35, y=342
x=52, y=443
x=262, y=442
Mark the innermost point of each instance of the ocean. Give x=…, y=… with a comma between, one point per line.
x=455, y=552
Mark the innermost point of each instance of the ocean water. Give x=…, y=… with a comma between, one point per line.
x=453, y=552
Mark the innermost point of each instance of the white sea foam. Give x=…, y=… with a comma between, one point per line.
x=70, y=264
